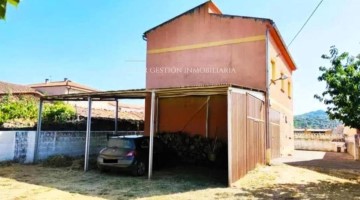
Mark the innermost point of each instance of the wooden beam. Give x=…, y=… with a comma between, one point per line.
x=267, y=103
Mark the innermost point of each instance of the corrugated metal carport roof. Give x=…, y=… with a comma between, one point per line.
x=142, y=93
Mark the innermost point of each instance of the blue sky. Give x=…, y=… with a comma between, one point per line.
x=99, y=43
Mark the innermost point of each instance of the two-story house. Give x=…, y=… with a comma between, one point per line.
x=203, y=47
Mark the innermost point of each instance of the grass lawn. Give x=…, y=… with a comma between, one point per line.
x=271, y=182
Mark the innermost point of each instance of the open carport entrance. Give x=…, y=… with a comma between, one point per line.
x=244, y=124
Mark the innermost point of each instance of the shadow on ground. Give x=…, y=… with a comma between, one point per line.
x=118, y=185
x=339, y=165
x=319, y=190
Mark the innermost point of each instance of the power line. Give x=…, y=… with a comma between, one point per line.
x=305, y=23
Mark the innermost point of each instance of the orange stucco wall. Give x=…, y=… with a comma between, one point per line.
x=199, y=27
x=188, y=114
x=281, y=100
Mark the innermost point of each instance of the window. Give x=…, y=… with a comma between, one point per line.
x=273, y=71
x=289, y=89
x=282, y=83
x=121, y=143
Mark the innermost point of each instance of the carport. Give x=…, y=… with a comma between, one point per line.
x=245, y=122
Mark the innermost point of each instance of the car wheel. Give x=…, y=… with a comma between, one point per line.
x=139, y=168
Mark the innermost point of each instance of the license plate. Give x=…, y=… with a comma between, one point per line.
x=110, y=160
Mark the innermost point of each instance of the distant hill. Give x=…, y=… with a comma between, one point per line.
x=314, y=119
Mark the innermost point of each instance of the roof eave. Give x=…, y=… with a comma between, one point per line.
x=80, y=87
x=184, y=13
x=283, y=44
x=24, y=93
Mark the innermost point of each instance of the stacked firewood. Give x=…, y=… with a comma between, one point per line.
x=195, y=149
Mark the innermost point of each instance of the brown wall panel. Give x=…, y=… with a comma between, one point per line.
x=247, y=134
x=188, y=114
x=238, y=136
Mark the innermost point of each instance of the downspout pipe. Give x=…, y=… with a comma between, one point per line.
x=267, y=103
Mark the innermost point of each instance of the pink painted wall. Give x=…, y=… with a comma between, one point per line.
x=248, y=59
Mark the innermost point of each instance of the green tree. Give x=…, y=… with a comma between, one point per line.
x=3, y=4
x=22, y=107
x=342, y=93
x=58, y=112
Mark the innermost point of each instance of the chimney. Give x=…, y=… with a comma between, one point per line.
x=66, y=79
x=46, y=80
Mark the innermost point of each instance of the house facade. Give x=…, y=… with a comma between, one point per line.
x=205, y=47
x=102, y=109
x=18, y=90
x=60, y=87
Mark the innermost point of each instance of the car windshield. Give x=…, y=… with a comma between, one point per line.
x=121, y=143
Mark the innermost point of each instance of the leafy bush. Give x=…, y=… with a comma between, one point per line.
x=26, y=108
x=12, y=107
x=58, y=112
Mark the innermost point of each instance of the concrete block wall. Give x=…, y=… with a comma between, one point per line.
x=353, y=147
x=69, y=143
x=54, y=143
x=314, y=145
x=318, y=142
x=19, y=146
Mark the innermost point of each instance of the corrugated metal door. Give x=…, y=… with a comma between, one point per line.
x=274, y=133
